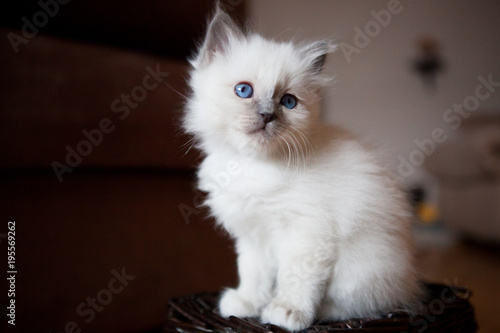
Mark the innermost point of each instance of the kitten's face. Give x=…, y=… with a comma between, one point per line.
x=253, y=95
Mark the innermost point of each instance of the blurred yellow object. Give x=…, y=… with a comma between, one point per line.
x=427, y=212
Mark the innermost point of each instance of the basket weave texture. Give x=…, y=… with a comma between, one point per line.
x=446, y=309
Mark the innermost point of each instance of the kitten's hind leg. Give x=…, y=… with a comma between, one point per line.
x=256, y=283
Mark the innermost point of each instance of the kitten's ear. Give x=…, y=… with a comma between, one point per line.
x=221, y=31
x=315, y=54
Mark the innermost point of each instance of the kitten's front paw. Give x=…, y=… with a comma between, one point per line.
x=287, y=316
x=233, y=304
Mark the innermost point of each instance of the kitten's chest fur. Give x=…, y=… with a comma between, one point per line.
x=247, y=196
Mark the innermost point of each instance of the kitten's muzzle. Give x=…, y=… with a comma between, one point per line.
x=267, y=117
x=264, y=120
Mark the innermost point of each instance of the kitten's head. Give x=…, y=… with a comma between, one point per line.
x=252, y=95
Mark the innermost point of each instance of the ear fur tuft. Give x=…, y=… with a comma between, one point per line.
x=221, y=31
x=315, y=53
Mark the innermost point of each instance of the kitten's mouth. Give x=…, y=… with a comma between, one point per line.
x=258, y=130
x=264, y=130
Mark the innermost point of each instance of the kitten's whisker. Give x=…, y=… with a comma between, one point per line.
x=307, y=144
x=302, y=152
x=290, y=153
x=189, y=144
x=175, y=90
x=295, y=149
x=284, y=139
x=282, y=145
x=293, y=157
x=298, y=151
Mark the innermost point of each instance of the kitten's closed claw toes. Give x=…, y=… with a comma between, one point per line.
x=288, y=317
x=233, y=304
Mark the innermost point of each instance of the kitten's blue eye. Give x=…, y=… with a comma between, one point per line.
x=288, y=101
x=244, y=90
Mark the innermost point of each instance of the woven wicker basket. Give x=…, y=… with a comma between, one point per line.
x=446, y=309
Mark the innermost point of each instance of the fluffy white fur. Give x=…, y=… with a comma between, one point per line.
x=321, y=230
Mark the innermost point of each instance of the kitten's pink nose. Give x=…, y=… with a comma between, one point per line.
x=267, y=117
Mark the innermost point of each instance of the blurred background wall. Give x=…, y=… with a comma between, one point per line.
x=378, y=92
x=94, y=171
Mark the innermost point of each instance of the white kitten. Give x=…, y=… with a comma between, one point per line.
x=321, y=230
